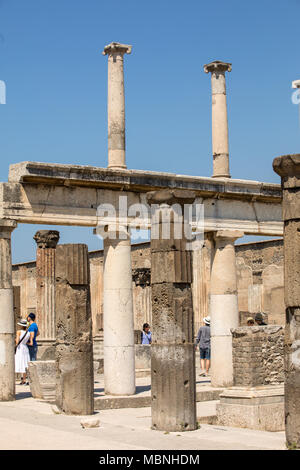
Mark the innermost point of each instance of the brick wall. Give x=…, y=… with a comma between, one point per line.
x=258, y=355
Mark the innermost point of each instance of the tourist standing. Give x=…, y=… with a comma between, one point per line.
x=146, y=336
x=34, y=332
x=22, y=352
x=203, y=338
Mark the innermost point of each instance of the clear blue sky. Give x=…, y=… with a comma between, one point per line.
x=56, y=78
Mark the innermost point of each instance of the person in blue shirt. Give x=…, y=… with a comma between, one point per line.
x=34, y=332
x=146, y=335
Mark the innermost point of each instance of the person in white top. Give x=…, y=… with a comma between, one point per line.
x=22, y=352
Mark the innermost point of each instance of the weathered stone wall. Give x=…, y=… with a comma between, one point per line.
x=260, y=280
x=258, y=355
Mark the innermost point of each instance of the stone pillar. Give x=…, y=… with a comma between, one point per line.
x=116, y=104
x=119, y=351
x=7, y=323
x=219, y=118
x=288, y=167
x=173, y=386
x=74, y=342
x=45, y=285
x=224, y=311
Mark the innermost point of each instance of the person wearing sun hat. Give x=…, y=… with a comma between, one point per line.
x=22, y=352
x=203, y=338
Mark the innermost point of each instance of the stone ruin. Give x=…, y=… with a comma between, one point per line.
x=41, y=193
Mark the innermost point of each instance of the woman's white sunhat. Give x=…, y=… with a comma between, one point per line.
x=22, y=323
x=207, y=320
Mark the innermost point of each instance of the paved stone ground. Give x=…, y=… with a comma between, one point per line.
x=31, y=424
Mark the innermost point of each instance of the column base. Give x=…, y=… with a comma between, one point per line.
x=117, y=167
x=259, y=408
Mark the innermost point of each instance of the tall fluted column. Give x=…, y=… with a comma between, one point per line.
x=7, y=323
x=173, y=386
x=45, y=283
x=116, y=104
x=224, y=311
x=119, y=349
x=288, y=167
x=219, y=118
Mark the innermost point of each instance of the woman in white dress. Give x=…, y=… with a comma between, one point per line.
x=22, y=352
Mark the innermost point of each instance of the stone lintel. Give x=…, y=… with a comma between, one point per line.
x=63, y=175
x=46, y=238
x=217, y=66
x=117, y=48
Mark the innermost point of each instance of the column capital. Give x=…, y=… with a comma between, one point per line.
x=46, y=238
x=230, y=235
x=7, y=226
x=287, y=165
x=217, y=66
x=117, y=48
x=171, y=196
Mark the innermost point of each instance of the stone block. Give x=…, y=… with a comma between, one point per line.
x=90, y=423
x=75, y=273
x=142, y=356
x=42, y=377
x=292, y=263
x=172, y=313
x=171, y=266
x=173, y=369
x=259, y=408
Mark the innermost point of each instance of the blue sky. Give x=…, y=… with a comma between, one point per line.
x=56, y=78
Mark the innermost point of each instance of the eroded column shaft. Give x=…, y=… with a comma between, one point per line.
x=219, y=118
x=116, y=104
x=288, y=167
x=74, y=344
x=173, y=390
x=223, y=307
x=7, y=324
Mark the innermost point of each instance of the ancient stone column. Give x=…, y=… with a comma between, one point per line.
x=74, y=343
x=116, y=104
x=288, y=167
x=219, y=118
x=224, y=311
x=45, y=286
x=173, y=387
x=7, y=324
x=119, y=351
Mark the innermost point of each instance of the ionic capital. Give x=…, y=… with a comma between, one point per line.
x=117, y=48
x=217, y=66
